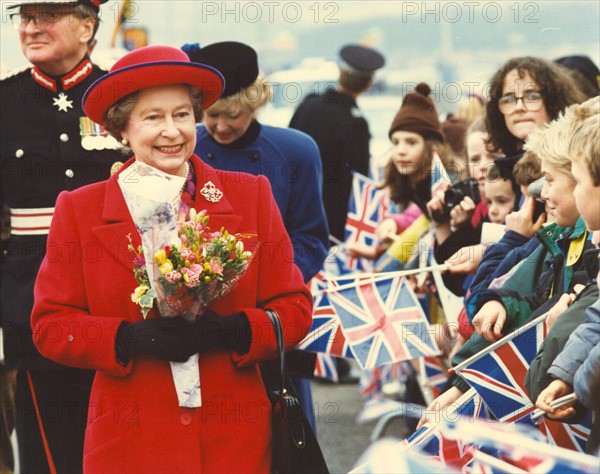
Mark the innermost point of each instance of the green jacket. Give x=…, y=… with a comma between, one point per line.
x=537, y=376
x=528, y=293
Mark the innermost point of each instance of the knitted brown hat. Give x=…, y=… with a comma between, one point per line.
x=418, y=114
x=454, y=129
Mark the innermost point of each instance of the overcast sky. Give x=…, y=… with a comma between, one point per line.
x=283, y=26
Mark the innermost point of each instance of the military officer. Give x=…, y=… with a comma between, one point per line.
x=47, y=145
x=334, y=120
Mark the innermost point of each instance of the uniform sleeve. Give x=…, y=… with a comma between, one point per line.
x=280, y=286
x=63, y=328
x=358, y=153
x=305, y=218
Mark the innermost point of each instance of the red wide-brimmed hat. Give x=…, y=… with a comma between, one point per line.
x=148, y=67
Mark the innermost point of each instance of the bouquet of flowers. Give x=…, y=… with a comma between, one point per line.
x=195, y=268
x=181, y=265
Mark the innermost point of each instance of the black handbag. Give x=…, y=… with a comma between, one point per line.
x=295, y=446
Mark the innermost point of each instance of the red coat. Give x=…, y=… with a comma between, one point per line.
x=83, y=293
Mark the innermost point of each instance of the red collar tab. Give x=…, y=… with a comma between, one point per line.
x=66, y=82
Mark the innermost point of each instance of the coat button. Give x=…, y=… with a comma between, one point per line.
x=69, y=173
x=64, y=137
x=254, y=157
x=19, y=153
x=210, y=156
x=186, y=419
x=70, y=338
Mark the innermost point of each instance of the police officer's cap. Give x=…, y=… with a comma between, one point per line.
x=237, y=62
x=584, y=65
x=358, y=60
x=93, y=3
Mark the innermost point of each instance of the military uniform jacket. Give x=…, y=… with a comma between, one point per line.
x=290, y=161
x=342, y=135
x=47, y=146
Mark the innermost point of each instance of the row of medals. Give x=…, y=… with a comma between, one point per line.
x=94, y=137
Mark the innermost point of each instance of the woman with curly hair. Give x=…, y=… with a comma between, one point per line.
x=526, y=93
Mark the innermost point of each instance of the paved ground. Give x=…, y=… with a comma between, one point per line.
x=342, y=439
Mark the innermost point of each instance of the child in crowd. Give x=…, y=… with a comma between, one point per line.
x=577, y=367
x=416, y=134
x=501, y=195
x=479, y=160
x=465, y=219
x=527, y=292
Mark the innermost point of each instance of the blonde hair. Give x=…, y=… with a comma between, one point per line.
x=585, y=138
x=471, y=109
x=550, y=144
x=250, y=98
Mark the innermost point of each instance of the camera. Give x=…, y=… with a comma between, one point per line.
x=535, y=191
x=455, y=194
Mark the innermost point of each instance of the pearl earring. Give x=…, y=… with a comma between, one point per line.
x=124, y=142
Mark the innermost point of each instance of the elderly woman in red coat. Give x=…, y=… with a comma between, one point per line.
x=84, y=315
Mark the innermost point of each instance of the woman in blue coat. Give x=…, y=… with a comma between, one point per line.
x=232, y=139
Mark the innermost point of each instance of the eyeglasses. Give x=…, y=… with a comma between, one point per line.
x=42, y=19
x=532, y=100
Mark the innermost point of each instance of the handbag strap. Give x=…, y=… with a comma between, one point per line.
x=277, y=329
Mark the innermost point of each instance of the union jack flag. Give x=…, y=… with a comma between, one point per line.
x=498, y=374
x=317, y=284
x=383, y=321
x=337, y=263
x=368, y=206
x=521, y=446
x=573, y=437
x=429, y=439
x=325, y=334
x=433, y=376
x=325, y=367
x=487, y=464
x=439, y=175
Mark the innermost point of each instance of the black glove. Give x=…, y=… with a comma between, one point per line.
x=175, y=339
x=172, y=339
x=224, y=332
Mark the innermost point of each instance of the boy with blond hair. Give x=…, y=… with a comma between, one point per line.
x=553, y=268
x=577, y=367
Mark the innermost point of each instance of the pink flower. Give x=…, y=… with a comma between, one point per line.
x=215, y=266
x=185, y=253
x=191, y=275
x=173, y=277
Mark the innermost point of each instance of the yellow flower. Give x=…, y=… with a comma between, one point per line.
x=166, y=267
x=137, y=294
x=160, y=256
